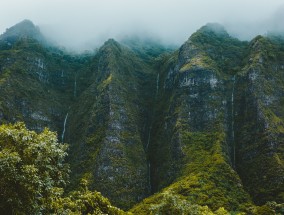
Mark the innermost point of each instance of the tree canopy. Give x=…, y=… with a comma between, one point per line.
x=34, y=174
x=32, y=168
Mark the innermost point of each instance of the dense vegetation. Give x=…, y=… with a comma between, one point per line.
x=34, y=175
x=198, y=130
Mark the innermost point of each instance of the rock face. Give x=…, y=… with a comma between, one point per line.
x=23, y=30
x=201, y=125
x=111, y=125
x=193, y=140
x=259, y=120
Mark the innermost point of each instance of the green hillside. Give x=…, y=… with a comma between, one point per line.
x=156, y=130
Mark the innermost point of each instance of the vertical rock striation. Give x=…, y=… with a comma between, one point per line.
x=202, y=125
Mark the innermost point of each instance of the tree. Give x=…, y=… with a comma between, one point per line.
x=83, y=201
x=32, y=169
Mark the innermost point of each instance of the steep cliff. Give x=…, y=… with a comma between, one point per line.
x=107, y=126
x=201, y=127
x=192, y=142
x=259, y=120
x=217, y=138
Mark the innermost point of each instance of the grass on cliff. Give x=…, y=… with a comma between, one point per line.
x=208, y=183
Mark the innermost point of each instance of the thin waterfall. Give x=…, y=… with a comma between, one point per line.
x=149, y=165
x=148, y=140
x=233, y=122
x=62, y=77
x=75, y=86
x=157, y=84
x=64, y=126
x=149, y=176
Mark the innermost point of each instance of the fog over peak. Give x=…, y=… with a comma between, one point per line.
x=86, y=24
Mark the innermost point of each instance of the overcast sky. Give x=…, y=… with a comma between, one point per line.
x=82, y=23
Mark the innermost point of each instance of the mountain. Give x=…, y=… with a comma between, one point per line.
x=107, y=125
x=23, y=30
x=155, y=129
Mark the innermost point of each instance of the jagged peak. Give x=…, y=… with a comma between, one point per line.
x=256, y=39
x=215, y=28
x=210, y=30
x=260, y=42
x=26, y=22
x=111, y=46
x=208, y=34
x=211, y=33
x=23, y=29
x=111, y=42
x=146, y=47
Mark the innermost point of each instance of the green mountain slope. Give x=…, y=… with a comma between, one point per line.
x=201, y=127
x=259, y=120
x=107, y=125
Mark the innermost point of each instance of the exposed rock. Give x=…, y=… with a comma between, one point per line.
x=204, y=123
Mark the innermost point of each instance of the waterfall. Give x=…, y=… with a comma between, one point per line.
x=75, y=86
x=149, y=165
x=157, y=84
x=233, y=121
x=148, y=140
x=64, y=126
x=149, y=176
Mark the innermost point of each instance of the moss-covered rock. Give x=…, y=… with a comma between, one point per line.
x=259, y=121
x=202, y=126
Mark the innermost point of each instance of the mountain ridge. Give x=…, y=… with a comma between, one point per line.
x=181, y=124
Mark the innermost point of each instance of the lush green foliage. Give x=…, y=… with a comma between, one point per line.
x=142, y=119
x=110, y=138
x=194, y=150
x=222, y=51
x=83, y=201
x=169, y=203
x=33, y=176
x=31, y=168
x=260, y=121
x=208, y=181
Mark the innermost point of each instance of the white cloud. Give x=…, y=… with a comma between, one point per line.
x=79, y=23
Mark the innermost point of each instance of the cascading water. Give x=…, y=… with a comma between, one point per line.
x=149, y=176
x=75, y=86
x=64, y=126
x=149, y=165
x=157, y=84
x=148, y=140
x=232, y=120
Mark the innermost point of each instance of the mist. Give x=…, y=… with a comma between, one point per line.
x=86, y=24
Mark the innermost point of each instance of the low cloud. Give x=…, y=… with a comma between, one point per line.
x=86, y=24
